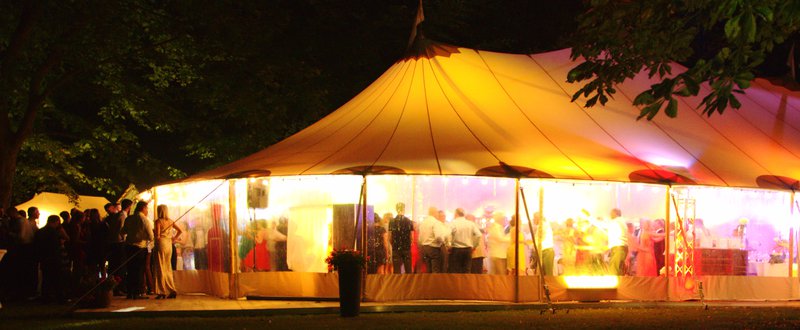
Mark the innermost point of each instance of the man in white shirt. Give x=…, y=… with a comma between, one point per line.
x=465, y=236
x=431, y=237
x=617, y=232
x=139, y=233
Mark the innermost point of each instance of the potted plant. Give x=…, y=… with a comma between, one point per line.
x=349, y=264
x=105, y=290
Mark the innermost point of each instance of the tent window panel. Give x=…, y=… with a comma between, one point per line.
x=201, y=211
x=736, y=231
x=597, y=227
x=292, y=223
x=417, y=197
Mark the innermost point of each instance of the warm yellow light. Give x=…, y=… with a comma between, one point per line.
x=591, y=282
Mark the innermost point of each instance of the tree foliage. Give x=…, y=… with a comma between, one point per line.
x=722, y=43
x=99, y=94
x=57, y=131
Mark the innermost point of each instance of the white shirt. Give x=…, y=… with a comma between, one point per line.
x=465, y=233
x=143, y=235
x=498, y=241
x=27, y=229
x=122, y=216
x=432, y=232
x=617, y=232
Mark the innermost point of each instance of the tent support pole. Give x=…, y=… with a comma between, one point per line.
x=541, y=238
x=414, y=266
x=232, y=279
x=363, y=246
x=792, y=241
x=791, y=250
x=516, y=241
x=667, y=221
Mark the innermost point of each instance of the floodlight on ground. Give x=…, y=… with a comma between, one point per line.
x=591, y=282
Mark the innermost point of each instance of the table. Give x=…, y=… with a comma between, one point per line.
x=720, y=261
x=774, y=270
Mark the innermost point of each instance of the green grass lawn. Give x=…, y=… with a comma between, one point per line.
x=32, y=316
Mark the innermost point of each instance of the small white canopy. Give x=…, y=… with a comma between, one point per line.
x=52, y=203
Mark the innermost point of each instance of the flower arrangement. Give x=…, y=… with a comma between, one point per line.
x=339, y=258
x=108, y=283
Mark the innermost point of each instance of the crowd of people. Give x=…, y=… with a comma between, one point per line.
x=77, y=251
x=609, y=245
x=399, y=245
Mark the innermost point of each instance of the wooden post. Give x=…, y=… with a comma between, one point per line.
x=233, y=276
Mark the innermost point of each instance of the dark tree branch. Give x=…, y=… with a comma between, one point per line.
x=21, y=36
x=17, y=42
x=35, y=98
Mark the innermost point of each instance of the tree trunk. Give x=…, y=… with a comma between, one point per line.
x=8, y=165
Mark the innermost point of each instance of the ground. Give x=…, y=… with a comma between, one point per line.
x=689, y=315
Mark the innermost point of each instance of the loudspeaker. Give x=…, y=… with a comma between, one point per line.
x=257, y=193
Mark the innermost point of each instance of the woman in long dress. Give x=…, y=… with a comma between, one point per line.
x=646, y=259
x=163, y=230
x=258, y=258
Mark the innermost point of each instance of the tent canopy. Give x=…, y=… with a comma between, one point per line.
x=450, y=110
x=52, y=203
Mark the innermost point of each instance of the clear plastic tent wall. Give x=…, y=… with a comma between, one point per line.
x=285, y=227
x=202, y=211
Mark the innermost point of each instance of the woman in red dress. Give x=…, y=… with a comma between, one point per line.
x=646, y=259
x=258, y=258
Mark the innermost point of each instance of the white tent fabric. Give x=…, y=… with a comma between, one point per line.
x=52, y=204
x=460, y=111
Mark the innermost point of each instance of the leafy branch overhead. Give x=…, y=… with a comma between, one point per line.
x=721, y=42
x=96, y=95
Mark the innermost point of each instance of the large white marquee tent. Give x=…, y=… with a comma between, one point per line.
x=503, y=120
